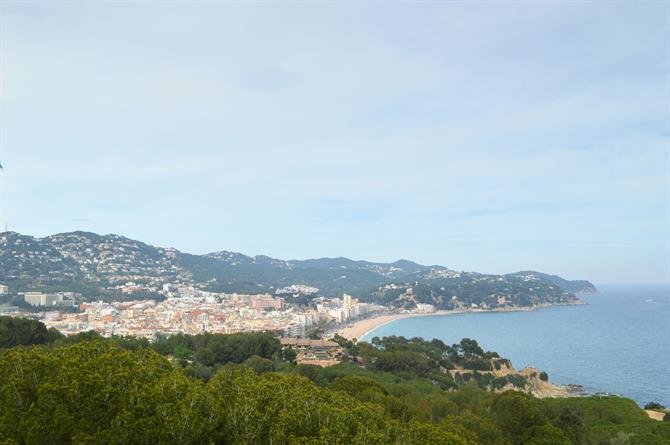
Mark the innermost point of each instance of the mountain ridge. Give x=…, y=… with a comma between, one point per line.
x=83, y=259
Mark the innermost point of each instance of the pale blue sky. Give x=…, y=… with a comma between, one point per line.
x=482, y=136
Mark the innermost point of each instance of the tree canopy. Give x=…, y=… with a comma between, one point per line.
x=240, y=389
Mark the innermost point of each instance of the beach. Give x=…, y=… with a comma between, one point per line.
x=359, y=328
x=582, y=339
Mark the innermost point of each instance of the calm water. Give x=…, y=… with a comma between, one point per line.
x=618, y=343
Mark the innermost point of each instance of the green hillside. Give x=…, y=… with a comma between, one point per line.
x=244, y=389
x=94, y=265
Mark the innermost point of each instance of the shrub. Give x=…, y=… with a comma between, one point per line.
x=654, y=405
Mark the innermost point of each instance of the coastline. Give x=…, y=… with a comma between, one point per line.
x=542, y=389
x=360, y=328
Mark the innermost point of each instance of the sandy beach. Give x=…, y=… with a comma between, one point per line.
x=360, y=328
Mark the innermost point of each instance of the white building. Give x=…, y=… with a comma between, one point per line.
x=40, y=299
x=426, y=308
x=338, y=314
x=295, y=330
x=59, y=299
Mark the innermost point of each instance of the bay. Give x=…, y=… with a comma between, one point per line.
x=619, y=342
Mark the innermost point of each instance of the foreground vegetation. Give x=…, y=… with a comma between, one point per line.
x=244, y=389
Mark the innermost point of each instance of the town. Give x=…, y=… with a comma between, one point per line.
x=186, y=309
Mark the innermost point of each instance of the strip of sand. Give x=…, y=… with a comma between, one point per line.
x=359, y=328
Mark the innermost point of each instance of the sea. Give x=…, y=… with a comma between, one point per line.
x=617, y=343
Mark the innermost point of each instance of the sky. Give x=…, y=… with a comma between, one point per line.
x=483, y=136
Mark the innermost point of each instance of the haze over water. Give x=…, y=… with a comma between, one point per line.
x=619, y=342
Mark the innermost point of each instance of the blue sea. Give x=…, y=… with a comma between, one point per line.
x=619, y=342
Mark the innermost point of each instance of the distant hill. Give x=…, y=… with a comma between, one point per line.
x=576, y=286
x=95, y=264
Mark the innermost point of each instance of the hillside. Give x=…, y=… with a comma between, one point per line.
x=458, y=290
x=96, y=264
x=576, y=286
x=245, y=389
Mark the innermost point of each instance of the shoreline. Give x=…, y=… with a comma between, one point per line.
x=360, y=328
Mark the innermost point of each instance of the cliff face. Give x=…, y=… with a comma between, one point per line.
x=505, y=377
x=543, y=388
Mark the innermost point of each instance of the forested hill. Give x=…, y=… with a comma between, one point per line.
x=577, y=286
x=94, y=264
x=245, y=389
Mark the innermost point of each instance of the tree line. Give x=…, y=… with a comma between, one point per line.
x=87, y=389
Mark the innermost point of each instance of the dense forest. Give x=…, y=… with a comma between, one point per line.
x=244, y=389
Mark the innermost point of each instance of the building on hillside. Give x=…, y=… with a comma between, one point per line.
x=314, y=352
x=267, y=302
x=40, y=299
x=338, y=314
x=48, y=300
x=169, y=288
x=426, y=308
x=3, y=289
x=296, y=330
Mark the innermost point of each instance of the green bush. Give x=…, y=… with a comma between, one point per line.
x=654, y=405
x=87, y=389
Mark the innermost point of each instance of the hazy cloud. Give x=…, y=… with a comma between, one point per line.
x=445, y=133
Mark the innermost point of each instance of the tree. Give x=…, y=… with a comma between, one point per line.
x=571, y=421
x=427, y=434
x=313, y=372
x=483, y=428
x=199, y=371
x=86, y=336
x=288, y=355
x=218, y=349
x=547, y=435
x=259, y=365
x=362, y=388
x=653, y=405
x=402, y=361
x=118, y=391
x=78, y=391
x=182, y=353
x=515, y=413
x=24, y=332
x=469, y=347
x=279, y=408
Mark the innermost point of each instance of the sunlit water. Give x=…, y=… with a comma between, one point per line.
x=618, y=343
